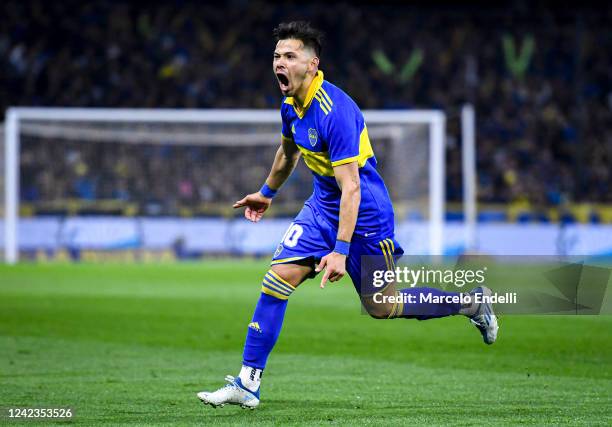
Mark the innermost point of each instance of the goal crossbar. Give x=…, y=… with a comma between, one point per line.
x=436, y=121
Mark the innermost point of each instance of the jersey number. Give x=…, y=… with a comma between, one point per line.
x=292, y=235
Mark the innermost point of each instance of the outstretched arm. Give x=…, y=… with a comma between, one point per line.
x=285, y=160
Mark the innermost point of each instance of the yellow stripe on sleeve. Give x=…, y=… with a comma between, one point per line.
x=324, y=107
x=365, y=151
x=345, y=161
x=326, y=96
x=322, y=99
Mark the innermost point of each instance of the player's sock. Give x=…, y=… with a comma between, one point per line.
x=422, y=309
x=250, y=377
x=267, y=321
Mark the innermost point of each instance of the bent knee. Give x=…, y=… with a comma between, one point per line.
x=292, y=273
x=378, y=310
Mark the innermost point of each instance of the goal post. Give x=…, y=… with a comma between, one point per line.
x=126, y=126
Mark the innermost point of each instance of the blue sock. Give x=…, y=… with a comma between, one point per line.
x=423, y=310
x=267, y=321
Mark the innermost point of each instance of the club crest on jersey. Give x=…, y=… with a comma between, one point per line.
x=313, y=137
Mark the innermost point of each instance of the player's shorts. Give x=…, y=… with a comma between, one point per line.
x=310, y=237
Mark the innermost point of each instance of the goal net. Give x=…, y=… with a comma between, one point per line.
x=115, y=179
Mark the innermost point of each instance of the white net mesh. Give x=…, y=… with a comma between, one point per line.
x=188, y=168
x=153, y=179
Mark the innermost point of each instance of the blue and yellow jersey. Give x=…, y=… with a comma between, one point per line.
x=330, y=131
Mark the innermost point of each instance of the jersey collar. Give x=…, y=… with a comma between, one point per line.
x=315, y=85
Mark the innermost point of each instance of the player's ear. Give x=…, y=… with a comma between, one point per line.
x=314, y=63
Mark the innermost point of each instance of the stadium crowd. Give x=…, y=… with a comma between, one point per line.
x=540, y=80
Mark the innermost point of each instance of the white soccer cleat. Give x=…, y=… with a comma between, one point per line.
x=233, y=393
x=485, y=319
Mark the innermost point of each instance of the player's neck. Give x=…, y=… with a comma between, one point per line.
x=302, y=92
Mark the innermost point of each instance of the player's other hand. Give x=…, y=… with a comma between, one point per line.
x=334, y=265
x=256, y=204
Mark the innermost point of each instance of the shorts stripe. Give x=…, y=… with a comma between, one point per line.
x=382, y=247
x=384, y=251
x=390, y=253
x=284, y=260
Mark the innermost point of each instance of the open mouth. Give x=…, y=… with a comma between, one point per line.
x=283, y=80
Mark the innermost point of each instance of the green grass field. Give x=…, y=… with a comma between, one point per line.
x=132, y=344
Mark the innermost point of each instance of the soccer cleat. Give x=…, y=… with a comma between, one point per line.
x=233, y=393
x=485, y=319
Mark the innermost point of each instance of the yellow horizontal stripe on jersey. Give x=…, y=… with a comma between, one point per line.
x=273, y=293
x=286, y=138
x=318, y=162
x=365, y=151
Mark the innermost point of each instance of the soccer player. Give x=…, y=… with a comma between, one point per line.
x=348, y=216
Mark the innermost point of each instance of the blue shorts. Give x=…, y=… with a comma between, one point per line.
x=310, y=237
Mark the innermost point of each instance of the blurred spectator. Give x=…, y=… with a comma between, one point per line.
x=541, y=81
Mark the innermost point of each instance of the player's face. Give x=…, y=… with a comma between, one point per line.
x=292, y=64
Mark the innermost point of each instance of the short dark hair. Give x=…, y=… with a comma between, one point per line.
x=300, y=30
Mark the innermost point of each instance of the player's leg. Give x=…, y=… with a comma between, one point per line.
x=292, y=263
x=277, y=286
x=420, y=303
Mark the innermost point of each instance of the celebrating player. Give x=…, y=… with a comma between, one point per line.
x=348, y=217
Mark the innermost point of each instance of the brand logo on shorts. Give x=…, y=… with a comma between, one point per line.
x=279, y=249
x=313, y=136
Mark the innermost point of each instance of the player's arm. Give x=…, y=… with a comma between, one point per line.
x=285, y=160
x=347, y=177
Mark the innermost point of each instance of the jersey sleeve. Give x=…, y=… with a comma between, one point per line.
x=342, y=136
x=286, y=126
